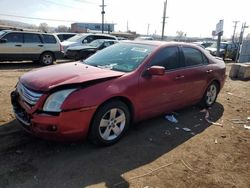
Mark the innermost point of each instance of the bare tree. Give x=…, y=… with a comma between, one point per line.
x=62, y=28
x=180, y=35
x=44, y=27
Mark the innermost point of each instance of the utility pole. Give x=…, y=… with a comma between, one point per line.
x=148, y=29
x=235, y=26
x=164, y=19
x=103, y=12
x=243, y=27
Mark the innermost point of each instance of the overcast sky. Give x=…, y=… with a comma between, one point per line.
x=194, y=17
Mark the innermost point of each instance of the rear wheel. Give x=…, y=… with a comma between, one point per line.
x=110, y=123
x=47, y=58
x=210, y=95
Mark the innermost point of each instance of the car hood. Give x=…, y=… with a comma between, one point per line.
x=81, y=47
x=67, y=43
x=47, y=78
x=214, y=49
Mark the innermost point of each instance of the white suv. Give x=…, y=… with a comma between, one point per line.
x=35, y=46
x=83, y=39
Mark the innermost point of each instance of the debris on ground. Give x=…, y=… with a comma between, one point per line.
x=186, y=165
x=197, y=125
x=171, y=118
x=247, y=127
x=207, y=118
x=216, y=141
x=19, y=152
x=167, y=132
x=186, y=129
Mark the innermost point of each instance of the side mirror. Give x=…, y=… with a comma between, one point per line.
x=85, y=41
x=156, y=70
x=3, y=40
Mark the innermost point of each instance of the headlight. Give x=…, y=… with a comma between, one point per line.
x=55, y=100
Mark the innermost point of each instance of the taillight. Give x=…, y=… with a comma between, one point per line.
x=61, y=48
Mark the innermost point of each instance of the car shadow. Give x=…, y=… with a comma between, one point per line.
x=26, y=161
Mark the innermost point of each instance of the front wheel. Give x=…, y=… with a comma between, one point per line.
x=47, y=58
x=210, y=95
x=110, y=123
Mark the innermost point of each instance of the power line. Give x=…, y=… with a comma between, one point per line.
x=59, y=4
x=36, y=18
x=84, y=1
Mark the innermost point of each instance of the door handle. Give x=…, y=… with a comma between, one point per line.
x=179, y=77
x=209, y=71
x=40, y=45
x=18, y=45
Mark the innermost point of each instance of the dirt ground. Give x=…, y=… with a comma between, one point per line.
x=154, y=153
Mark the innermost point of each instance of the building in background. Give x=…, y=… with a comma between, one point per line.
x=95, y=27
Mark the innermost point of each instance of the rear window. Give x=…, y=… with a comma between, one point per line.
x=49, y=39
x=31, y=38
x=192, y=56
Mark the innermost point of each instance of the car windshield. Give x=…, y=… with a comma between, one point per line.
x=2, y=32
x=222, y=45
x=123, y=57
x=75, y=38
x=96, y=43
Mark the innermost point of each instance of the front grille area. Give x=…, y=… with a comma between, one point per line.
x=29, y=96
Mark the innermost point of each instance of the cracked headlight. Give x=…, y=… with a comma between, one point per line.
x=54, y=102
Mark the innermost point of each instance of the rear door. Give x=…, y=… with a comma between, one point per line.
x=197, y=73
x=32, y=46
x=12, y=49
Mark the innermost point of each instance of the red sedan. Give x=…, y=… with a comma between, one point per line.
x=125, y=83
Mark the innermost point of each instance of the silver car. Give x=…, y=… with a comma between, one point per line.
x=38, y=47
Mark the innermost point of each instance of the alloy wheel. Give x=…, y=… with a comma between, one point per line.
x=112, y=124
x=211, y=94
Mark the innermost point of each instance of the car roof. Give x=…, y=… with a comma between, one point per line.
x=32, y=32
x=160, y=43
x=65, y=33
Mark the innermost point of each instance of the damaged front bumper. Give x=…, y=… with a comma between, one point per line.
x=63, y=126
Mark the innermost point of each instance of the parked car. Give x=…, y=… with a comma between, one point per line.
x=124, y=83
x=227, y=50
x=83, y=39
x=82, y=52
x=144, y=38
x=64, y=36
x=34, y=46
x=203, y=44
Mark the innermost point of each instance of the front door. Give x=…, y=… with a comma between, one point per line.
x=12, y=49
x=162, y=94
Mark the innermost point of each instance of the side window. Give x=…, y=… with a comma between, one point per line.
x=50, y=39
x=88, y=39
x=229, y=47
x=31, y=38
x=168, y=58
x=192, y=56
x=205, y=59
x=14, y=37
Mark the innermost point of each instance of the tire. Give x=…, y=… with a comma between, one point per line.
x=47, y=58
x=210, y=96
x=109, y=123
